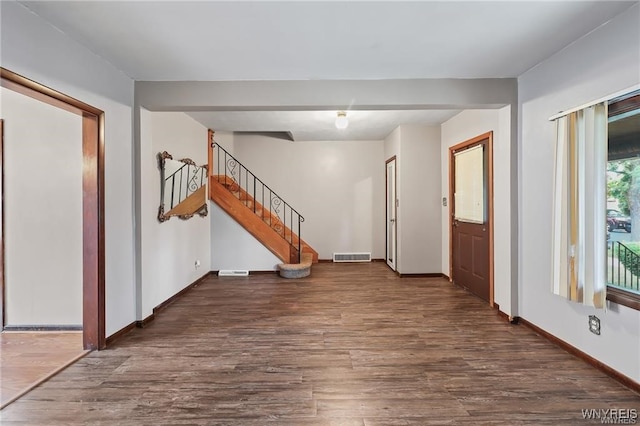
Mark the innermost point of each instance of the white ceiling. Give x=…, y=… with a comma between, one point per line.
x=303, y=40
x=207, y=40
x=320, y=125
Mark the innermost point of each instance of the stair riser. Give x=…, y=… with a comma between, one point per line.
x=275, y=224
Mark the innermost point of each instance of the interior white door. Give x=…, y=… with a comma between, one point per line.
x=391, y=254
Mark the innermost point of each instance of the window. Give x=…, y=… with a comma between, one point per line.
x=623, y=200
x=596, y=197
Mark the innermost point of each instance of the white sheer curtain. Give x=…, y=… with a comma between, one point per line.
x=579, y=222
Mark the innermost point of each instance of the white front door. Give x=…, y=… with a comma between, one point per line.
x=391, y=213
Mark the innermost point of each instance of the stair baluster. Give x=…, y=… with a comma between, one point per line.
x=275, y=214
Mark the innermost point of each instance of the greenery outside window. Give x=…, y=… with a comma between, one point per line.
x=623, y=200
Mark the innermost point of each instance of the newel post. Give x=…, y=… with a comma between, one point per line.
x=210, y=152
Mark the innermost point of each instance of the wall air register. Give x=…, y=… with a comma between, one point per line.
x=352, y=257
x=233, y=273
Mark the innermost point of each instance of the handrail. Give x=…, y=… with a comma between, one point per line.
x=628, y=263
x=278, y=209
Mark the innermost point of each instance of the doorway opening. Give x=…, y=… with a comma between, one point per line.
x=93, y=248
x=391, y=214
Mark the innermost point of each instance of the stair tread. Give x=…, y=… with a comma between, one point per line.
x=265, y=215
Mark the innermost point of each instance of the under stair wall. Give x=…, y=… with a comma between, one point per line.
x=257, y=223
x=232, y=247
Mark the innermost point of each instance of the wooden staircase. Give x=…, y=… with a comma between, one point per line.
x=260, y=222
x=228, y=183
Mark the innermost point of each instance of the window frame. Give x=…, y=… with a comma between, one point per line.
x=616, y=294
x=623, y=297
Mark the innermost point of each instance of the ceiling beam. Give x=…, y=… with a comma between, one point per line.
x=317, y=95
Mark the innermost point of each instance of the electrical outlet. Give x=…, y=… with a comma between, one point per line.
x=594, y=324
x=197, y=264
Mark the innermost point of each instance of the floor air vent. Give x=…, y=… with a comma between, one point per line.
x=230, y=273
x=352, y=257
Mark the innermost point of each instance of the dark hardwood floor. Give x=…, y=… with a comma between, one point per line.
x=350, y=345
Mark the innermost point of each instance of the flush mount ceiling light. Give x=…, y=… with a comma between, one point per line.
x=341, y=120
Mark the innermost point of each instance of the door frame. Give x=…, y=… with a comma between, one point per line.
x=2, y=222
x=395, y=209
x=93, y=241
x=452, y=149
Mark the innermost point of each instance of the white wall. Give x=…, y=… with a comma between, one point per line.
x=225, y=140
x=604, y=62
x=337, y=186
x=417, y=151
x=169, y=249
x=419, y=214
x=43, y=212
x=464, y=126
x=33, y=48
x=392, y=144
x=233, y=247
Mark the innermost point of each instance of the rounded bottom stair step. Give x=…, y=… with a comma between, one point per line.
x=297, y=270
x=294, y=270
